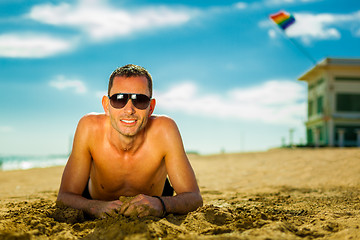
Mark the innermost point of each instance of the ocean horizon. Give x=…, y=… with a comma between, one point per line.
x=21, y=162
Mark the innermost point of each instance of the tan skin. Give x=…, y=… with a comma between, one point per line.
x=128, y=152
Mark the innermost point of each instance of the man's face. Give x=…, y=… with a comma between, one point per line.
x=129, y=120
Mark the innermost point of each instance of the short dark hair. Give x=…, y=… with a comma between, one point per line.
x=130, y=70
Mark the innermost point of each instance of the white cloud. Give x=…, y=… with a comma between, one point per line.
x=272, y=33
x=100, y=94
x=6, y=129
x=241, y=5
x=357, y=32
x=97, y=19
x=101, y=21
x=61, y=83
x=275, y=102
x=282, y=2
x=309, y=26
x=278, y=2
x=22, y=45
x=314, y=26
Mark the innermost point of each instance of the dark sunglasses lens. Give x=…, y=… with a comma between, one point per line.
x=119, y=100
x=141, y=101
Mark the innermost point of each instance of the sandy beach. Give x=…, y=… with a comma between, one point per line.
x=277, y=194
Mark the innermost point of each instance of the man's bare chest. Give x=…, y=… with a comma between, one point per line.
x=126, y=174
x=109, y=160
x=121, y=166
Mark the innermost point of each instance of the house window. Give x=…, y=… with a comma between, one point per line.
x=310, y=108
x=321, y=133
x=319, y=104
x=320, y=81
x=309, y=136
x=348, y=102
x=350, y=135
x=347, y=79
x=311, y=86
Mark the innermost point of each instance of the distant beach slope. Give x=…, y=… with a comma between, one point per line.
x=278, y=194
x=323, y=167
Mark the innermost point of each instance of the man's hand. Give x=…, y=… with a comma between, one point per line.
x=141, y=206
x=102, y=209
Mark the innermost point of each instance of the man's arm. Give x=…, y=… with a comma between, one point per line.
x=76, y=174
x=181, y=176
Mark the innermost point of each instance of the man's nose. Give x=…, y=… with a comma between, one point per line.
x=129, y=107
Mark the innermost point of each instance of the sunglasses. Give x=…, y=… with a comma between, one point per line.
x=119, y=100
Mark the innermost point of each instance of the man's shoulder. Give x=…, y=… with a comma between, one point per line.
x=162, y=121
x=93, y=120
x=163, y=126
x=165, y=135
x=93, y=117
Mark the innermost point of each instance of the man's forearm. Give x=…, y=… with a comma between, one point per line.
x=91, y=207
x=183, y=202
x=179, y=204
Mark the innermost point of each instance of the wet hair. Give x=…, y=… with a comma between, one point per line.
x=130, y=70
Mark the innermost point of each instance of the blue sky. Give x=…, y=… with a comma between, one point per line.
x=221, y=69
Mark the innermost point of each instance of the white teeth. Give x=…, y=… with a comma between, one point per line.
x=128, y=121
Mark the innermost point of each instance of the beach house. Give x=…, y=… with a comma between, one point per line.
x=333, y=103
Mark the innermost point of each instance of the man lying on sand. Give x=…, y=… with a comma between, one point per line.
x=128, y=152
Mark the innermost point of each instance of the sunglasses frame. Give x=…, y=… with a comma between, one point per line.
x=134, y=100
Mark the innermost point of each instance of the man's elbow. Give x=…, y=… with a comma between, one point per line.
x=198, y=201
x=61, y=197
x=64, y=197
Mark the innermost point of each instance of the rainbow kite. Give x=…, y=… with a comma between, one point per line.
x=283, y=19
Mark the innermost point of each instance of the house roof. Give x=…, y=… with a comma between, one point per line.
x=330, y=62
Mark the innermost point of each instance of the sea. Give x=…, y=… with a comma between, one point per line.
x=8, y=163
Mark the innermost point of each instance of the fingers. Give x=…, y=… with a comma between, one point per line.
x=127, y=204
x=124, y=207
x=136, y=210
x=139, y=207
x=116, y=204
x=107, y=213
x=144, y=213
x=132, y=209
x=106, y=209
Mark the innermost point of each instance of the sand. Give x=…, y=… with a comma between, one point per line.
x=277, y=194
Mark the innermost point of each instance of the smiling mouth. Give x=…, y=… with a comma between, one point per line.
x=128, y=121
